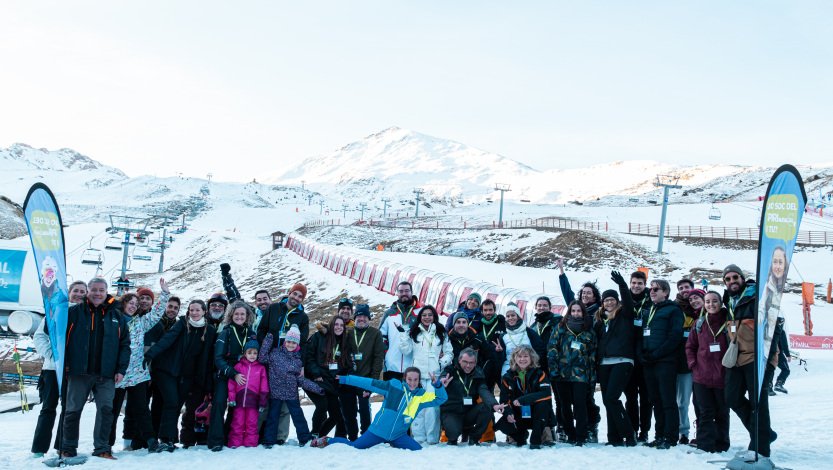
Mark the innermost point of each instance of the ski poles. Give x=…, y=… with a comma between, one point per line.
x=24, y=403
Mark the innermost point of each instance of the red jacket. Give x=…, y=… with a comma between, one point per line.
x=706, y=364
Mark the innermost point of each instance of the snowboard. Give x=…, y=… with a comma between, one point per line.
x=58, y=462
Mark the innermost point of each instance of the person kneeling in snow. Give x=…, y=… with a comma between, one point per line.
x=402, y=402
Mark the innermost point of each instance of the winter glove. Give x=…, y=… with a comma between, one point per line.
x=399, y=327
x=617, y=278
x=232, y=404
x=261, y=409
x=225, y=268
x=647, y=358
x=146, y=362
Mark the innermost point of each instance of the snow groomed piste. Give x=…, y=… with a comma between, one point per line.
x=444, y=291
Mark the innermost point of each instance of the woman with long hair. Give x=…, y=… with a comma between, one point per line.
x=428, y=346
x=329, y=356
x=183, y=362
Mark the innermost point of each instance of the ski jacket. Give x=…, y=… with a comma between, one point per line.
x=569, y=296
x=401, y=405
x=369, y=346
x=615, y=335
x=426, y=351
x=138, y=326
x=254, y=394
x=572, y=356
x=706, y=364
x=97, y=339
x=492, y=331
x=690, y=316
x=228, y=349
x=472, y=385
x=528, y=388
x=285, y=371
x=471, y=339
x=742, y=313
x=186, y=351
x=397, y=315
x=43, y=346
x=545, y=324
x=662, y=332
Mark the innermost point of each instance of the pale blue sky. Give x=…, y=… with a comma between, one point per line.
x=239, y=88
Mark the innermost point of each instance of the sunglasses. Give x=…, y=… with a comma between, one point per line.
x=733, y=277
x=656, y=289
x=347, y=301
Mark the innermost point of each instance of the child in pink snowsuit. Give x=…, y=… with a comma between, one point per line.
x=248, y=399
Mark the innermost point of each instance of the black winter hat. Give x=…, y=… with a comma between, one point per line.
x=733, y=268
x=345, y=303
x=362, y=309
x=610, y=293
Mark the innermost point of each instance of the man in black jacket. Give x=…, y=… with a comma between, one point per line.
x=96, y=357
x=637, y=403
x=463, y=336
x=492, y=327
x=283, y=314
x=462, y=412
x=662, y=332
x=369, y=357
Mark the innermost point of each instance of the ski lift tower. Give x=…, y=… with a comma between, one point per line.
x=418, y=191
x=386, y=200
x=667, y=182
x=502, y=188
x=128, y=225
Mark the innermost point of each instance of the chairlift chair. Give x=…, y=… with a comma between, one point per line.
x=714, y=213
x=92, y=256
x=112, y=243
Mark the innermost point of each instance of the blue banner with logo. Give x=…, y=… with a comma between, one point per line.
x=11, y=270
x=780, y=219
x=47, y=236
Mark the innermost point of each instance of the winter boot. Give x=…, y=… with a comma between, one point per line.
x=779, y=387
x=662, y=444
x=630, y=441
x=320, y=442
x=684, y=439
x=561, y=435
x=769, y=390
x=643, y=437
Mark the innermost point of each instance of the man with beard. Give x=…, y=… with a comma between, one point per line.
x=739, y=299
x=369, y=357
x=151, y=337
x=637, y=404
x=283, y=314
x=397, y=320
x=217, y=304
x=492, y=327
x=145, y=300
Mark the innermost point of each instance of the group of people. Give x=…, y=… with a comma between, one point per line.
x=237, y=369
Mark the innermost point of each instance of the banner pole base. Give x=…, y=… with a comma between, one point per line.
x=745, y=460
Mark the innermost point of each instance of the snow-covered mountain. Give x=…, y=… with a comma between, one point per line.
x=62, y=170
x=394, y=162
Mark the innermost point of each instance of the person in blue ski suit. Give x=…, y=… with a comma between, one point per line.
x=403, y=401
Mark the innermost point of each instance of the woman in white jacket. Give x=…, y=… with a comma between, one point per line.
x=428, y=346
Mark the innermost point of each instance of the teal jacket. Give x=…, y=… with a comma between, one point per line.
x=401, y=405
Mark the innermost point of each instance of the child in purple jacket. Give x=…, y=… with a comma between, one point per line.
x=285, y=376
x=248, y=398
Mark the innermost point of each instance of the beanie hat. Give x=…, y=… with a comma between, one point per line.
x=698, y=292
x=294, y=334
x=251, y=344
x=733, y=268
x=145, y=291
x=458, y=316
x=344, y=303
x=512, y=307
x=476, y=296
x=362, y=309
x=299, y=287
x=610, y=293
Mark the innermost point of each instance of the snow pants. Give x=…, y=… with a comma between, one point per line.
x=426, y=426
x=613, y=379
x=48, y=391
x=740, y=382
x=636, y=401
x=684, y=390
x=475, y=418
x=243, y=428
x=137, y=407
x=518, y=431
x=368, y=440
x=574, y=410
x=713, y=424
x=78, y=388
x=661, y=379
x=271, y=433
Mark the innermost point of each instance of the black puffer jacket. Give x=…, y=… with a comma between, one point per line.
x=492, y=333
x=616, y=336
x=474, y=340
x=186, y=351
x=278, y=318
x=98, y=340
x=662, y=332
x=536, y=387
x=229, y=347
x=317, y=364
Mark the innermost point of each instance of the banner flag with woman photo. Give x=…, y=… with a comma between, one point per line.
x=46, y=232
x=780, y=218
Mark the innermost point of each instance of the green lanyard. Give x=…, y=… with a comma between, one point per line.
x=357, y=340
x=408, y=395
x=429, y=339
x=571, y=332
x=465, y=387
x=538, y=327
x=723, y=327
x=651, y=315
x=335, y=352
x=234, y=330
x=490, y=331
x=512, y=340
x=641, y=305
x=404, y=315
